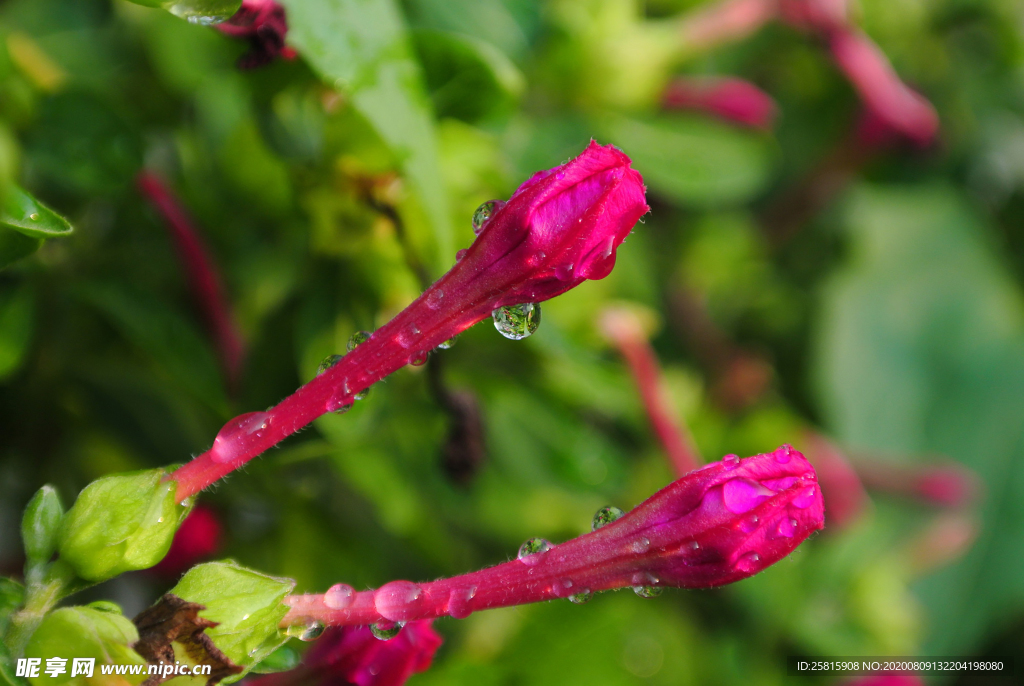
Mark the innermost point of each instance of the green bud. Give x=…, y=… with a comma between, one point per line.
x=120, y=523
x=72, y=632
x=247, y=605
x=40, y=525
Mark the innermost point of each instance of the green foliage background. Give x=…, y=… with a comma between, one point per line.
x=893, y=318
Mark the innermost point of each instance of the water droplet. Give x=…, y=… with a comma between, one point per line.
x=529, y=552
x=784, y=454
x=749, y=524
x=305, y=632
x=34, y=216
x=459, y=602
x=731, y=461
x=606, y=515
x=448, y=344
x=748, y=562
x=742, y=495
x=517, y=321
x=483, y=213
x=434, y=299
x=328, y=362
x=693, y=545
x=641, y=545
x=563, y=272
x=385, y=631
x=339, y=596
x=361, y=395
x=786, y=528
x=337, y=407
x=358, y=338
x=460, y=254
x=648, y=591
x=805, y=499
x=238, y=435
x=202, y=12
x=581, y=597
x=420, y=358
x=398, y=601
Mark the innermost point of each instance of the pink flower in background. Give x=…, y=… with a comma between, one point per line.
x=845, y=498
x=263, y=24
x=716, y=525
x=732, y=99
x=352, y=655
x=198, y=538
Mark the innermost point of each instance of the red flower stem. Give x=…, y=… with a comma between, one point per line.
x=626, y=332
x=201, y=273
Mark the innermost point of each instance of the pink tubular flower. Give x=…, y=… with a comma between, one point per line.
x=716, y=525
x=263, y=24
x=732, y=99
x=558, y=229
x=351, y=655
x=197, y=538
x=944, y=485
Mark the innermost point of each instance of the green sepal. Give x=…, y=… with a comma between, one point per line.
x=246, y=604
x=281, y=660
x=72, y=632
x=40, y=525
x=121, y=523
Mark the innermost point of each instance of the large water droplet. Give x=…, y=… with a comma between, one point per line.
x=483, y=213
x=385, y=631
x=434, y=299
x=786, y=528
x=517, y=321
x=448, y=344
x=742, y=495
x=606, y=515
x=238, y=435
x=731, y=461
x=529, y=552
x=460, y=602
x=581, y=597
x=784, y=454
x=358, y=338
x=420, y=358
x=398, y=601
x=305, y=632
x=805, y=499
x=648, y=591
x=339, y=596
x=748, y=562
x=328, y=362
x=34, y=216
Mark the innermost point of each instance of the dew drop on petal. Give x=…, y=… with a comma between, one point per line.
x=749, y=524
x=805, y=499
x=731, y=461
x=339, y=596
x=641, y=545
x=563, y=272
x=606, y=515
x=748, y=562
x=786, y=528
x=358, y=338
x=581, y=597
x=238, y=435
x=742, y=495
x=305, y=632
x=517, y=321
x=648, y=591
x=784, y=454
x=385, y=630
x=483, y=213
x=529, y=552
x=328, y=362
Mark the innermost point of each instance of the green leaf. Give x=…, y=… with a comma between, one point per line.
x=120, y=523
x=25, y=214
x=12, y=595
x=281, y=660
x=691, y=159
x=40, y=524
x=15, y=245
x=362, y=48
x=16, y=319
x=922, y=352
x=246, y=604
x=72, y=632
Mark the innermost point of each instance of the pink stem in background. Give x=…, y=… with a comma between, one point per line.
x=947, y=485
x=716, y=525
x=624, y=329
x=201, y=274
x=732, y=99
x=560, y=228
x=724, y=22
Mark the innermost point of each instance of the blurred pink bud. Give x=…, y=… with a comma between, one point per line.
x=198, y=538
x=352, y=655
x=944, y=485
x=263, y=24
x=731, y=99
x=814, y=15
x=870, y=72
x=844, y=494
x=716, y=525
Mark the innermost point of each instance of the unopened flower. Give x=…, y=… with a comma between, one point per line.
x=352, y=655
x=560, y=228
x=716, y=525
x=732, y=99
x=198, y=537
x=262, y=23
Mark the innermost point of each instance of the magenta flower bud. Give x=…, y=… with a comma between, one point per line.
x=731, y=99
x=716, y=525
x=352, y=655
x=558, y=229
x=262, y=23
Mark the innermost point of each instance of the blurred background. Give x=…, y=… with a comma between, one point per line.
x=834, y=259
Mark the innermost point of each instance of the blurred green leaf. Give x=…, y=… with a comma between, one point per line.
x=921, y=351
x=16, y=320
x=362, y=49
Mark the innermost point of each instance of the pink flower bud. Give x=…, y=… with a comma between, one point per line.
x=262, y=23
x=734, y=100
x=716, y=525
x=352, y=655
